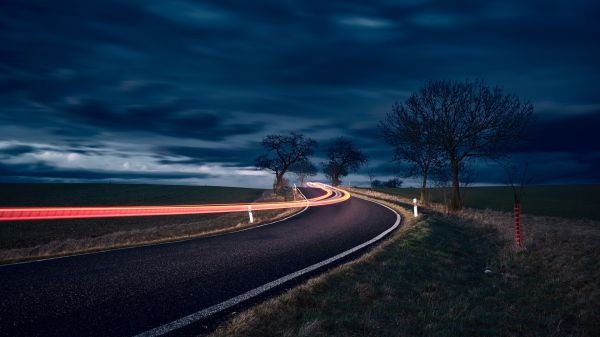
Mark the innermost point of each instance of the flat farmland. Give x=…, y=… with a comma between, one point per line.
x=41, y=238
x=120, y=194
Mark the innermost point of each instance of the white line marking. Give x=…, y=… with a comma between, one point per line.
x=192, y=318
x=160, y=243
x=270, y=223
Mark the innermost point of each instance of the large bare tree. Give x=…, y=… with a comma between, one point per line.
x=343, y=158
x=405, y=129
x=471, y=119
x=283, y=151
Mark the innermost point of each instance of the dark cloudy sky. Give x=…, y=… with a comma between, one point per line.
x=183, y=91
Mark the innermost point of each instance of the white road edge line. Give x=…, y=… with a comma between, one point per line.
x=192, y=318
x=159, y=243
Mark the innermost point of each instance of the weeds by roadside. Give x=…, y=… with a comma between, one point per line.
x=563, y=252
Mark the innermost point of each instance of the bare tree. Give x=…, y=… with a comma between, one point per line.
x=282, y=152
x=406, y=129
x=376, y=183
x=371, y=174
x=343, y=158
x=470, y=119
x=303, y=169
x=441, y=181
x=393, y=183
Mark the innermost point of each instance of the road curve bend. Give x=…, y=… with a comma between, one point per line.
x=154, y=290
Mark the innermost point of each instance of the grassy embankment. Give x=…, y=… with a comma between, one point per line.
x=22, y=240
x=428, y=280
x=566, y=201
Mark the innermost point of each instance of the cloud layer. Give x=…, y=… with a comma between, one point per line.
x=183, y=91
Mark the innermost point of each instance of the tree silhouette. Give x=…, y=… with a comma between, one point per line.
x=343, y=158
x=282, y=152
x=405, y=129
x=303, y=169
x=470, y=119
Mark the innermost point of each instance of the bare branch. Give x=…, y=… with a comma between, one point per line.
x=343, y=159
x=282, y=152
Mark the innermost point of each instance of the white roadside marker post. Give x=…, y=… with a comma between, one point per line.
x=416, y=211
x=250, y=214
x=295, y=191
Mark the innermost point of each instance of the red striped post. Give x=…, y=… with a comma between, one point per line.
x=518, y=233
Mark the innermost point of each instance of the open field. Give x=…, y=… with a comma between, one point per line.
x=34, y=239
x=120, y=194
x=567, y=201
x=428, y=280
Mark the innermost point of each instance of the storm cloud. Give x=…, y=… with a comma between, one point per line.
x=159, y=90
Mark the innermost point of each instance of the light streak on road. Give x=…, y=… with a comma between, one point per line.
x=332, y=196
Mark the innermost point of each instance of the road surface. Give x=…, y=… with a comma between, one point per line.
x=142, y=290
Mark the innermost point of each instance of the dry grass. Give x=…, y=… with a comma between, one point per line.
x=428, y=279
x=566, y=201
x=184, y=229
x=285, y=315
x=565, y=252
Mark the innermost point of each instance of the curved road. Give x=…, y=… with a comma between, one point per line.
x=132, y=291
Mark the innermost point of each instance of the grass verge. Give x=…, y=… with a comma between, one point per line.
x=566, y=201
x=428, y=279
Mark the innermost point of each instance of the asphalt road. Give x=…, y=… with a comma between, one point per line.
x=130, y=291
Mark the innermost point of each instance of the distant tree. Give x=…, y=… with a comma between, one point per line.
x=303, y=169
x=390, y=183
x=406, y=129
x=343, y=158
x=393, y=183
x=376, y=183
x=470, y=119
x=371, y=174
x=282, y=152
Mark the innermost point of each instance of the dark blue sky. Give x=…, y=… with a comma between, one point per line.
x=183, y=91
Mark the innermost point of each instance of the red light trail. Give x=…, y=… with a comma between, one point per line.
x=332, y=196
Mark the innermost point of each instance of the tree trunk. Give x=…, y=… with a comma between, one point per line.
x=335, y=180
x=455, y=201
x=278, y=183
x=423, y=188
